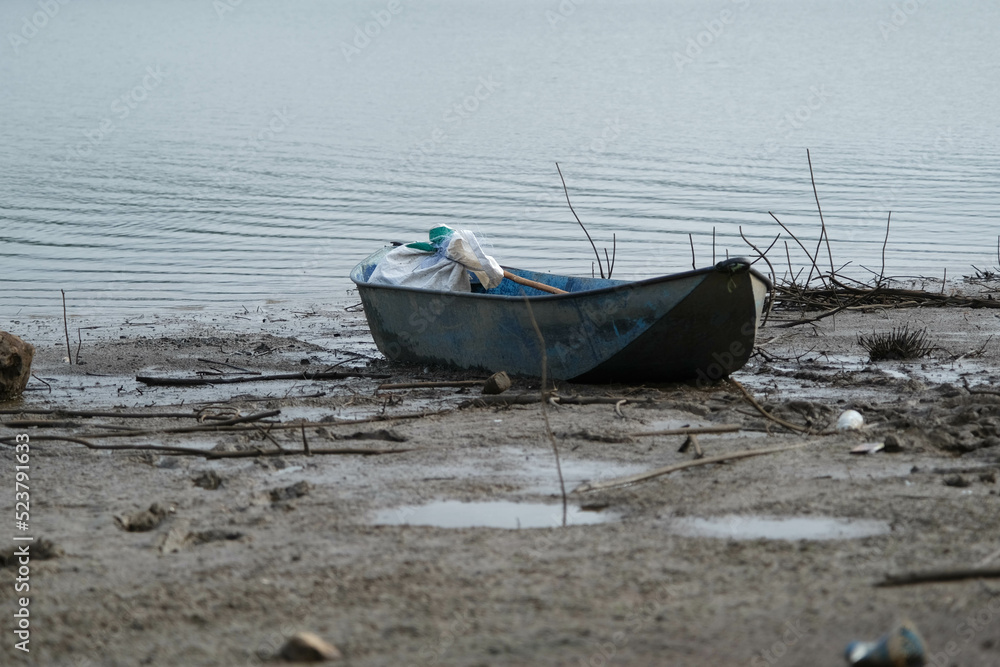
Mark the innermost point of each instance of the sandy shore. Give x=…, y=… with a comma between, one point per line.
x=250, y=550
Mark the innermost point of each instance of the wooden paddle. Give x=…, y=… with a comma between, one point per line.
x=531, y=283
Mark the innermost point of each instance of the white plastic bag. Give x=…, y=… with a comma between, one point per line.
x=442, y=264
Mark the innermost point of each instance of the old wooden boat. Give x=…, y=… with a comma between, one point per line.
x=695, y=325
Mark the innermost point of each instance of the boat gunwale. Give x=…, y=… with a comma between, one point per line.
x=718, y=268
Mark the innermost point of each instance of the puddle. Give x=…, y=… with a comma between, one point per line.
x=496, y=514
x=738, y=527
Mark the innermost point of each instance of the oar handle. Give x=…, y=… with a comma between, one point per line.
x=531, y=283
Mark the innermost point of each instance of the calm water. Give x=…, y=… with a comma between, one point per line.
x=193, y=153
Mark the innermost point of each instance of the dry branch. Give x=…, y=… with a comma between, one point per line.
x=304, y=375
x=722, y=428
x=556, y=399
x=420, y=385
x=666, y=470
x=209, y=454
x=938, y=576
x=592, y=245
x=777, y=420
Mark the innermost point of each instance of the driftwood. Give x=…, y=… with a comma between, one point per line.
x=420, y=385
x=209, y=454
x=555, y=399
x=304, y=375
x=236, y=425
x=721, y=428
x=101, y=413
x=666, y=470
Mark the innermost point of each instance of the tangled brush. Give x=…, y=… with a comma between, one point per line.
x=898, y=344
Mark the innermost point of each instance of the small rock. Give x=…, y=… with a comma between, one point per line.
x=308, y=647
x=209, y=480
x=291, y=492
x=15, y=365
x=957, y=481
x=497, y=383
x=143, y=521
x=892, y=444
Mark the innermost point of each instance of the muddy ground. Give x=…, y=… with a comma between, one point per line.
x=241, y=552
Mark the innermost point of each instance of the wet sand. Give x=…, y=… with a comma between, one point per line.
x=693, y=568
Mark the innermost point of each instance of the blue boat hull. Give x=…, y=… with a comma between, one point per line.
x=694, y=325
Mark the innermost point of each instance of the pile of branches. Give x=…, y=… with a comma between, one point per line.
x=831, y=292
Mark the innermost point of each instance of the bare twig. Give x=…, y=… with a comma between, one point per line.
x=828, y=313
x=763, y=255
x=691, y=240
x=881, y=273
x=209, y=454
x=566, y=191
x=545, y=412
x=614, y=252
x=722, y=428
x=305, y=442
x=936, y=576
x=267, y=434
x=526, y=399
x=666, y=470
x=777, y=420
x=822, y=232
x=692, y=440
x=69, y=351
x=14, y=412
x=97, y=413
x=305, y=375
x=223, y=363
x=796, y=239
x=420, y=385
